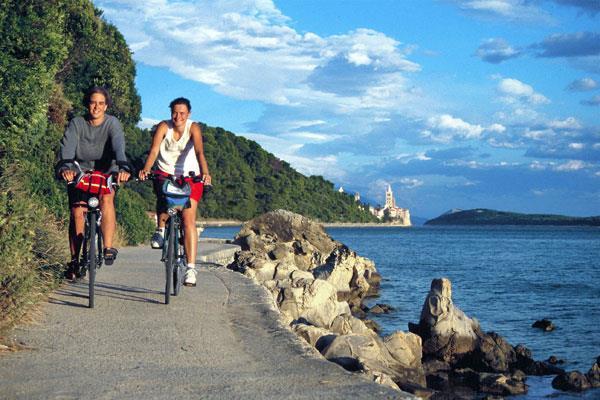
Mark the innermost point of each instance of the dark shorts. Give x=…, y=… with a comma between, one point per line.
x=161, y=206
x=79, y=196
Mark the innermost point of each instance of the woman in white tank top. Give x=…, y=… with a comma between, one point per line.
x=177, y=149
x=176, y=156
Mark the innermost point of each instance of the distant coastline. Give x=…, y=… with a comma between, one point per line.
x=227, y=222
x=481, y=216
x=362, y=225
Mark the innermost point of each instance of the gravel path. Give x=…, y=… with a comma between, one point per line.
x=219, y=340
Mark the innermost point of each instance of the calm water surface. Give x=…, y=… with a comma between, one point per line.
x=506, y=277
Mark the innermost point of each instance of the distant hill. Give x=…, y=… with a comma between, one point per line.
x=481, y=216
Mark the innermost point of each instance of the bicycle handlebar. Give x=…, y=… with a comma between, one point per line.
x=155, y=175
x=57, y=170
x=152, y=175
x=123, y=166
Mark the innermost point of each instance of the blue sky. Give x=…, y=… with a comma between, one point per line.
x=455, y=103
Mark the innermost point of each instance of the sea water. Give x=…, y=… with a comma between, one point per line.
x=506, y=276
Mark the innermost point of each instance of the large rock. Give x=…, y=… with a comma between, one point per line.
x=345, y=323
x=347, y=272
x=593, y=374
x=573, y=381
x=528, y=365
x=314, y=301
x=544, y=324
x=369, y=352
x=277, y=243
x=490, y=383
x=446, y=331
x=492, y=353
x=312, y=334
x=405, y=348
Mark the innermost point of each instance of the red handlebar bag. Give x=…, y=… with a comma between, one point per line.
x=95, y=182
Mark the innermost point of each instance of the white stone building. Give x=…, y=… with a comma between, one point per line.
x=397, y=215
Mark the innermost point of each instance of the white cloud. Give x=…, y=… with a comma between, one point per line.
x=594, y=101
x=496, y=128
x=570, y=123
x=516, y=10
x=514, y=90
x=537, y=166
x=576, y=146
x=406, y=158
x=246, y=50
x=147, y=123
x=496, y=50
x=572, y=165
x=445, y=128
x=583, y=85
x=310, y=137
x=411, y=183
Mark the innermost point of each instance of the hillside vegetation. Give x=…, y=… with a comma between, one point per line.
x=482, y=216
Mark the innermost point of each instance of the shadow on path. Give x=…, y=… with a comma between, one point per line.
x=103, y=289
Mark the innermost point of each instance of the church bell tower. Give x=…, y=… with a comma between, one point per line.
x=389, y=198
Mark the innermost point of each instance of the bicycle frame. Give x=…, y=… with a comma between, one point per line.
x=91, y=255
x=173, y=254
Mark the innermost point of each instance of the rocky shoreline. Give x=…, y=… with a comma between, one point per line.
x=320, y=285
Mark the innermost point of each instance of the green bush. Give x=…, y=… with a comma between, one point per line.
x=132, y=217
x=33, y=248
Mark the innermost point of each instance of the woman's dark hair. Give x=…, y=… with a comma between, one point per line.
x=97, y=89
x=180, y=100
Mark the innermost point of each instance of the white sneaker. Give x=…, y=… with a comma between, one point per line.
x=157, y=240
x=190, y=277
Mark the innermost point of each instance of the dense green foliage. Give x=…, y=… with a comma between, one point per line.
x=482, y=216
x=50, y=53
x=249, y=181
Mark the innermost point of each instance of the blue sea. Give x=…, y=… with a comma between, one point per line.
x=507, y=277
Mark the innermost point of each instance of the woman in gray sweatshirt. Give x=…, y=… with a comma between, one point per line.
x=96, y=142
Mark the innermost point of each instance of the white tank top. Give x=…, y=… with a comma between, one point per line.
x=177, y=157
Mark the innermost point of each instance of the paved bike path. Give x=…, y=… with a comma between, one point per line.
x=219, y=340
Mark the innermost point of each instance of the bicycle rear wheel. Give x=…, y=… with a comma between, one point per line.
x=91, y=256
x=170, y=259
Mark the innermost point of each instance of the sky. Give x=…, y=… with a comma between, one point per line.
x=454, y=103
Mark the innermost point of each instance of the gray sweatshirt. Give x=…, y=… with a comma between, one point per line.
x=94, y=147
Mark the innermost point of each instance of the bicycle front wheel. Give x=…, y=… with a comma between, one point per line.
x=170, y=259
x=91, y=256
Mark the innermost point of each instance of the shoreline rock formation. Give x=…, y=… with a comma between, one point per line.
x=317, y=283
x=458, y=356
x=319, y=286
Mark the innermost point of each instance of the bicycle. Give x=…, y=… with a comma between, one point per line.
x=177, y=193
x=96, y=183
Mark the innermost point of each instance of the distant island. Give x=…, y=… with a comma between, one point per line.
x=482, y=216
